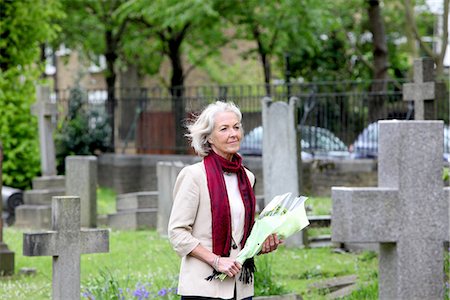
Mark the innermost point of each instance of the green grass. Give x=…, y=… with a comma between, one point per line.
x=145, y=261
x=144, y=257
x=318, y=206
x=106, y=201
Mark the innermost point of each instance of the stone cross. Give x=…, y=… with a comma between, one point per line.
x=66, y=242
x=45, y=112
x=281, y=153
x=423, y=90
x=6, y=255
x=407, y=214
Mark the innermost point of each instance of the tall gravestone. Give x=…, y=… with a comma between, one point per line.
x=81, y=180
x=167, y=173
x=281, y=153
x=65, y=243
x=36, y=211
x=407, y=214
x=6, y=255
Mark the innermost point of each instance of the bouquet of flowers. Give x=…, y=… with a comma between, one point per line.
x=284, y=215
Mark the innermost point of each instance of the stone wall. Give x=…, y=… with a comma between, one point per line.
x=135, y=173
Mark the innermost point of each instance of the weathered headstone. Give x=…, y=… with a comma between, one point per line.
x=135, y=211
x=407, y=214
x=6, y=255
x=81, y=180
x=424, y=91
x=36, y=211
x=167, y=173
x=66, y=242
x=281, y=152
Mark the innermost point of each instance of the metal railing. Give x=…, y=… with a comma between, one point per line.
x=145, y=118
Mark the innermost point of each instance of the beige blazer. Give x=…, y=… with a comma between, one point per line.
x=190, y=225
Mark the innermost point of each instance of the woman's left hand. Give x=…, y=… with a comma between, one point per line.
x=271, y=243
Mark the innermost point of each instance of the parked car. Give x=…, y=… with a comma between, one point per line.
x=366, y=144
x=316, y=142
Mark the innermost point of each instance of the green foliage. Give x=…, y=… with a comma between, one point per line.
x=23, y=26
x=85, y=131
x=106, y=286
x=266, y=283
x=18, y=130
x=446, y=174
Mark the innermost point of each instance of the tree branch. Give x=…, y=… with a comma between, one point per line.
x=412, y=23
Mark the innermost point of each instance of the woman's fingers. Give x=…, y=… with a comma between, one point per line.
x=271, y=243
x=229, y=266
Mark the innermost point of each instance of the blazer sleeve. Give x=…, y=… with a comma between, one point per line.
x=186, y=197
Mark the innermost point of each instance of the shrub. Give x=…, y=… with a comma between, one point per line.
x=84, y=131
x=18, y=129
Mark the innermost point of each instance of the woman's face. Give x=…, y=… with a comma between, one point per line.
x=225, y=138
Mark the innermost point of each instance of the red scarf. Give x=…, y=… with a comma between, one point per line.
x=215, y=165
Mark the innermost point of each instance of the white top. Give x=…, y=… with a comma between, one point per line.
x=237, y=208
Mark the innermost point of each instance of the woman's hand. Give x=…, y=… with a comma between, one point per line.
x=271, y=243
x=228, y=266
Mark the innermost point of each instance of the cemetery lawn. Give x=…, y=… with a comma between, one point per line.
x=143, y=260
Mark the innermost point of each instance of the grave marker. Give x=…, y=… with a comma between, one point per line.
x=281, y=153
x=66, y=242
x=167, y=173
x=81, y=180
x=407, y=214
x=46, y=112
x=6, y=255
x=424, y=91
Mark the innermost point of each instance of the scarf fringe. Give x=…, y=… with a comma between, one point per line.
x=247, y=271
x=215, y=274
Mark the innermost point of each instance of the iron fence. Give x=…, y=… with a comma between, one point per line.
x=146, y=118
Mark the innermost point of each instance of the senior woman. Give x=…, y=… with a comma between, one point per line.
x=214, y=209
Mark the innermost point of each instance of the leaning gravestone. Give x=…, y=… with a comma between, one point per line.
x=6, y=255
x=407, y=214
x=81, y=180
x=281, y=153
x=66, y=242
x=167, y=173
x=36, y=211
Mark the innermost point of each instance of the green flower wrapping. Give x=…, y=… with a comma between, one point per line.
x=284, y=215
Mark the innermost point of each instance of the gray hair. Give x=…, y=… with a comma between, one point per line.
x=203, y=125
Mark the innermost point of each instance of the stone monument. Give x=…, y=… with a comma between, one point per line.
x=407, y=214
x=66, y=242
x=281, y=153
x=81, y=180
x=6, y=255
x=36, y=211
x=135, y=211
x=167, y=173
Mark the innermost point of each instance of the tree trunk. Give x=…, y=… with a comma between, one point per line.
x=177, y=92
x=380, y=56
x=265, y=60
x=110, y=77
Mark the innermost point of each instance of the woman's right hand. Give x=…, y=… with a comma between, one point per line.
x=228, y=266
